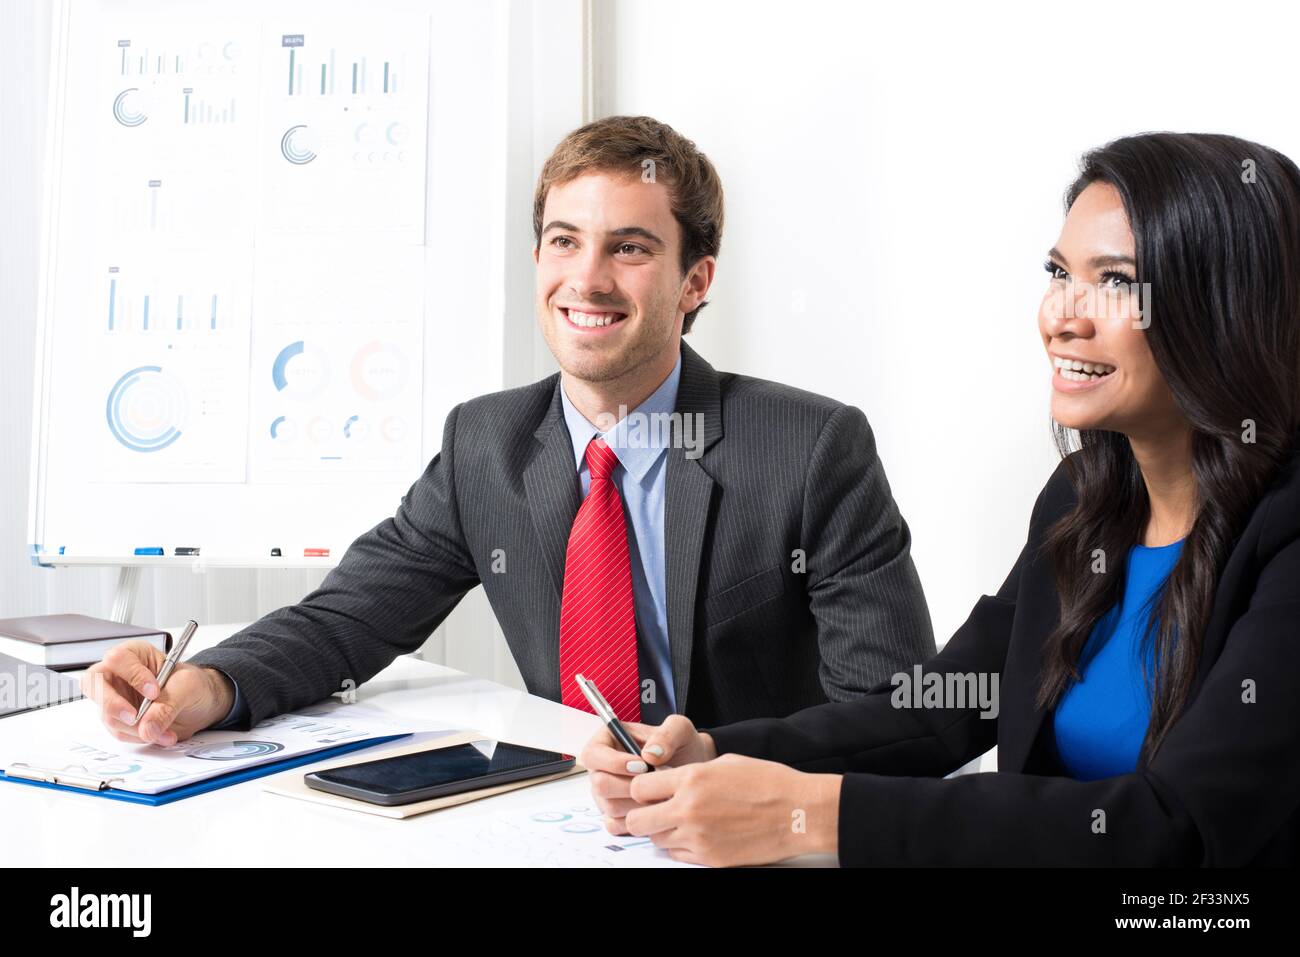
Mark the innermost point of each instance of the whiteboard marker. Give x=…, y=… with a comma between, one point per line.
x=315, y=553
x=149, y=551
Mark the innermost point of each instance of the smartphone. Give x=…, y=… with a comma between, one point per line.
x=421, y=775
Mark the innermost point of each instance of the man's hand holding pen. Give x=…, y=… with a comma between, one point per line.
x=188, y=699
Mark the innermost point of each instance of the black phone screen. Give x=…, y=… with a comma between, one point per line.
x=426, y=769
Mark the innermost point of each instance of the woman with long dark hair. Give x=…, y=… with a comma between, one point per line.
x=1139, y=669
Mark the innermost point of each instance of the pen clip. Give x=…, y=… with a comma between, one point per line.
x=179, y=647
x=595, y=698
x=169, y=664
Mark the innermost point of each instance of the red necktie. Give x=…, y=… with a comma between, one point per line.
x=597, y=613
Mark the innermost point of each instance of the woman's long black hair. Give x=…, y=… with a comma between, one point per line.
x=1216, y=225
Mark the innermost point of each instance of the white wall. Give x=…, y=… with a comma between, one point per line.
x=894, y=176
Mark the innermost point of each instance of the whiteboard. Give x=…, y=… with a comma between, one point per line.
x=231, y=349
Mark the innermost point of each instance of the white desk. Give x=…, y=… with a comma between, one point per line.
x=240, y=825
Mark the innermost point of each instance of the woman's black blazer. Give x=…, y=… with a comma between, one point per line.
x=1223, y=789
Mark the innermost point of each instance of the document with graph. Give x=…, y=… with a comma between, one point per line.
x=73, y=742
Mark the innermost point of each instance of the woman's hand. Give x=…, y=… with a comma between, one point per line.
x=736, y=810
x=671, y=744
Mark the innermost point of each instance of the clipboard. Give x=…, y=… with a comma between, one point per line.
x=75, y=778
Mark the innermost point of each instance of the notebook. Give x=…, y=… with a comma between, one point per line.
x=65, y=642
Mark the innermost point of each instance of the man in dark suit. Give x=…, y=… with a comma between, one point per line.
x=727, y=549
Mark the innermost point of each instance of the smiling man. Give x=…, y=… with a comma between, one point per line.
x=748, y=560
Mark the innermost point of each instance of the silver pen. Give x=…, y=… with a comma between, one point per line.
x=606, y=714
x=165, y=672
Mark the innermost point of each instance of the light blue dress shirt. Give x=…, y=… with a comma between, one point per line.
x=641, y=478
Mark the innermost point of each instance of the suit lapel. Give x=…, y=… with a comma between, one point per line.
x=551, y=483
x=1031, y=619
x=688, y=494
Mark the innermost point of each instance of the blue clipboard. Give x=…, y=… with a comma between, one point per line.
x=211, y=784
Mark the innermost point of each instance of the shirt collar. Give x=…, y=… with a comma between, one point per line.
x=636, y=441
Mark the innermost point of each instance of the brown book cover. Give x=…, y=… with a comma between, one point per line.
x=70, y=641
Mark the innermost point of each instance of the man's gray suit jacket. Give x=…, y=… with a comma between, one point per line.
x=788, y=570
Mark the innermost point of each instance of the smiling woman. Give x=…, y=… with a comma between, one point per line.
x=1143, y=646
x=1208, y=377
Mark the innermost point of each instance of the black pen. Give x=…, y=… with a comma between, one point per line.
x=606, y=714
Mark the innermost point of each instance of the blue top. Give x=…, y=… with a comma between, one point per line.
x=1102, y=719
x=641, y=478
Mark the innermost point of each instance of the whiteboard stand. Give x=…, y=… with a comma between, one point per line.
x=131, y=568
x=128, y=583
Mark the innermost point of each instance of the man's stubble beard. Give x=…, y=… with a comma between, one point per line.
x=589, y=366
x=595, y=368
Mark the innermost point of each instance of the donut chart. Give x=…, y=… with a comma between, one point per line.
x=124, y=110
x=356, y=429
x=284, y=429
x=300, y=371
x=146, y=409
x=293, y=146
x=235, y=750
x=378, y=371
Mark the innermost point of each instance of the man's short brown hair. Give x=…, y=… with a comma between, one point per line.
x=653, y=151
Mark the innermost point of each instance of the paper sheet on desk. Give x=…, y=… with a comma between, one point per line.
x=73, y=737
x=564, y=830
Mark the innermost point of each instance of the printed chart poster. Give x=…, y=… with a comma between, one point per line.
x=163, y=336
x=241, y=296
x=337, y=366
x=176, y=130
x=167, y=395
x=345, y=123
